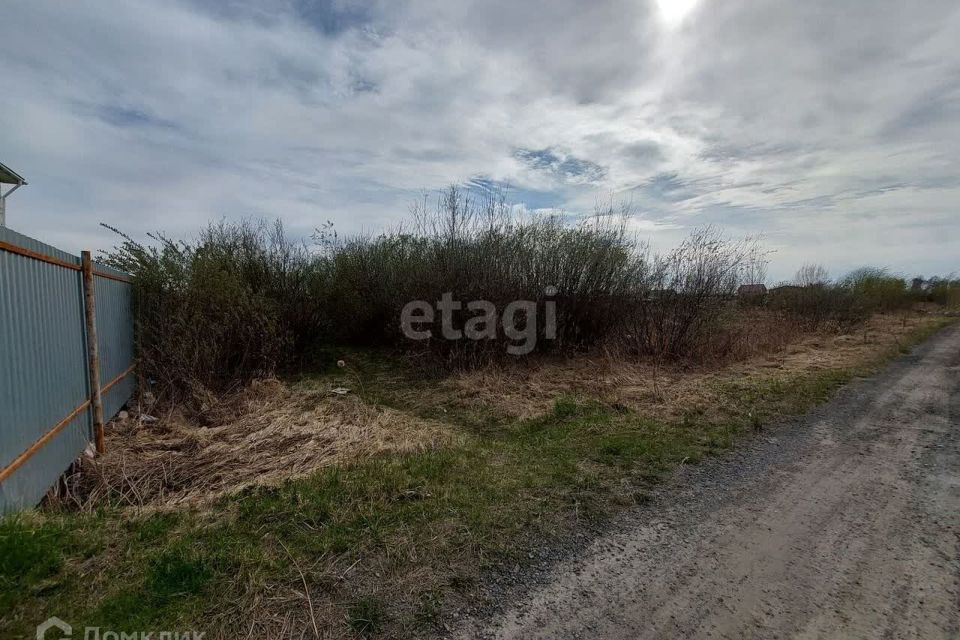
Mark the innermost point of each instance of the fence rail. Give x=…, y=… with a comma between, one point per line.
x=47, y=398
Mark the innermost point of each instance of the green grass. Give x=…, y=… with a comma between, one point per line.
x=31, y=558
x=451, y=511
x=366, y=616
x=385, y=544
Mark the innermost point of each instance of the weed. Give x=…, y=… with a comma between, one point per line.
x=366, y=616
x=429, y=606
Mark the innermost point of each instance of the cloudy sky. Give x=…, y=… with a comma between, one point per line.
x=830, y=126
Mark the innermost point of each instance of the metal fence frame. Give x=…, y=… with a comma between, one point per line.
x=46, y=397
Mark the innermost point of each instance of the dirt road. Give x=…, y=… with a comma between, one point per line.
x=844, y=524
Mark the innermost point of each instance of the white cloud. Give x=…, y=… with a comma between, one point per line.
x=832, y=127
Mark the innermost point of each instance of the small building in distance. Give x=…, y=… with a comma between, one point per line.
x=752, y=290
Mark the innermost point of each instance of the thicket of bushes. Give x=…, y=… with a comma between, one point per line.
x=942, y=291
x=816, y=302
x=242, y=300
x=227, y=307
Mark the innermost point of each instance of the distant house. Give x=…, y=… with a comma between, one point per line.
x=752, y=290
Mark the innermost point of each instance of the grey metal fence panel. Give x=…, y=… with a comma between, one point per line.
x=27, y=486
x=44, y=375
x=114, y=302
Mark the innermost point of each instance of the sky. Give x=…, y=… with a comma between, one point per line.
x=831, y=128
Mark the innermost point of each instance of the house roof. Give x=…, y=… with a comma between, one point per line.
x=9, y=176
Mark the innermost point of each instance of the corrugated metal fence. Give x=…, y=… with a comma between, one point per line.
x=46, y=414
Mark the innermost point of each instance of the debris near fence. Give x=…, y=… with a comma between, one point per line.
x=265, y=434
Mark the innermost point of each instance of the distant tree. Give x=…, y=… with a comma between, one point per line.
x=812, y=274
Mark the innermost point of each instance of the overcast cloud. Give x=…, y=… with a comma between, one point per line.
x=832, y=127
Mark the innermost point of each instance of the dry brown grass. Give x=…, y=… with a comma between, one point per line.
x=402, y=532
x=766, y=346
x=274, y=431
x=264, y=435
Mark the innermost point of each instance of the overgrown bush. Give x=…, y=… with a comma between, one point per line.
x=877, y=290
x=480, y=251
x=818, y=305
x=815, y=301
x=942, y=291
x=232, y=305
x=687, y=291
x=242, y=300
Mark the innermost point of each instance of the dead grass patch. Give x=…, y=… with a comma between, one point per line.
x=263, y=435
x=274, y=431
x=671, y=391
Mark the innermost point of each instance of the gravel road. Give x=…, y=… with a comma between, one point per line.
x=842, y=524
